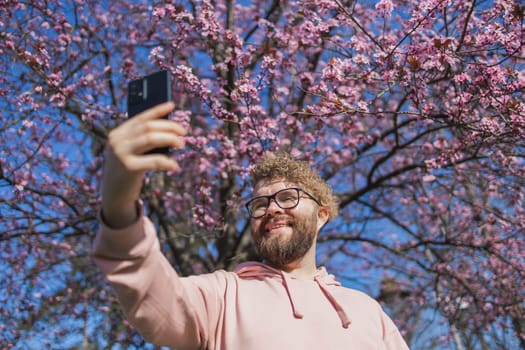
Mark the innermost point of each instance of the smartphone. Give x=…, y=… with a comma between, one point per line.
x=148, y=92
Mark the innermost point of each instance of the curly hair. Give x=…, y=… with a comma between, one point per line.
x=283, y=166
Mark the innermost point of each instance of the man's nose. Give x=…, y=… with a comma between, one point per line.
x=273, y=207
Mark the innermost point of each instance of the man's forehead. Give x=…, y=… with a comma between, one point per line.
x=267, y=186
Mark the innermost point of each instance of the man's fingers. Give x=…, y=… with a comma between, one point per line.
x=156, y=112
x=152, y=162
x=131, y=131
x=130, y=142
x=160, y=125
x=148, y=135
x=146, y=142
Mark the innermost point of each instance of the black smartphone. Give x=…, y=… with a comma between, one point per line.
x=148, y=92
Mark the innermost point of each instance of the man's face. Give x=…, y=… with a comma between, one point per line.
x=283, y=236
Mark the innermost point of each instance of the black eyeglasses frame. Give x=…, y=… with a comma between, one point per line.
x=274, y=198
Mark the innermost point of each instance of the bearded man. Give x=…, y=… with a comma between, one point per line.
x=286, y=302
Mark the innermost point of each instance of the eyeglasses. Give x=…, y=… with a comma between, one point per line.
x=287, y=198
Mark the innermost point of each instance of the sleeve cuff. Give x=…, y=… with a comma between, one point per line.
x=139, y=208
x=129, y=241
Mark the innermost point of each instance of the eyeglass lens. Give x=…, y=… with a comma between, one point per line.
x=285, y=199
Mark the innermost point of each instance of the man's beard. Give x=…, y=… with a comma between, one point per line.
x=278, y=252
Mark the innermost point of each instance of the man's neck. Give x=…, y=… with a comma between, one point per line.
x=300, y=271
x=304, y=267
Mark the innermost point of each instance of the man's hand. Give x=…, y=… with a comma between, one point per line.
x=126, y=161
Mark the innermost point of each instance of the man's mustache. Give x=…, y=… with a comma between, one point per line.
x=268, y=220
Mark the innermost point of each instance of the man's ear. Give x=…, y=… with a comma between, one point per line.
x=322, y=217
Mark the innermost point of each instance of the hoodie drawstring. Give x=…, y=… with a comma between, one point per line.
x=323, y=280
x=296, y=312
x=345, y=321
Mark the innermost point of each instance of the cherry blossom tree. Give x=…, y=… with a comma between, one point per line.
x=412, y=110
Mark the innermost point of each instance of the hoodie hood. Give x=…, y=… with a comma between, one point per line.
x=252, y=269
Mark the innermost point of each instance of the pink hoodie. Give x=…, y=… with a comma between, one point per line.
x=254, y=307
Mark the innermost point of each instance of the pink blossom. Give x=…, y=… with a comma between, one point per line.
x=411, y=110
x=429, y=178
x=384, y=8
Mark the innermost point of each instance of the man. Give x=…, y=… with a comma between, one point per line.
x=284, y=303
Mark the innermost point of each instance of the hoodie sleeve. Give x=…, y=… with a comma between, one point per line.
x=165, y=309
x=393, y=338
